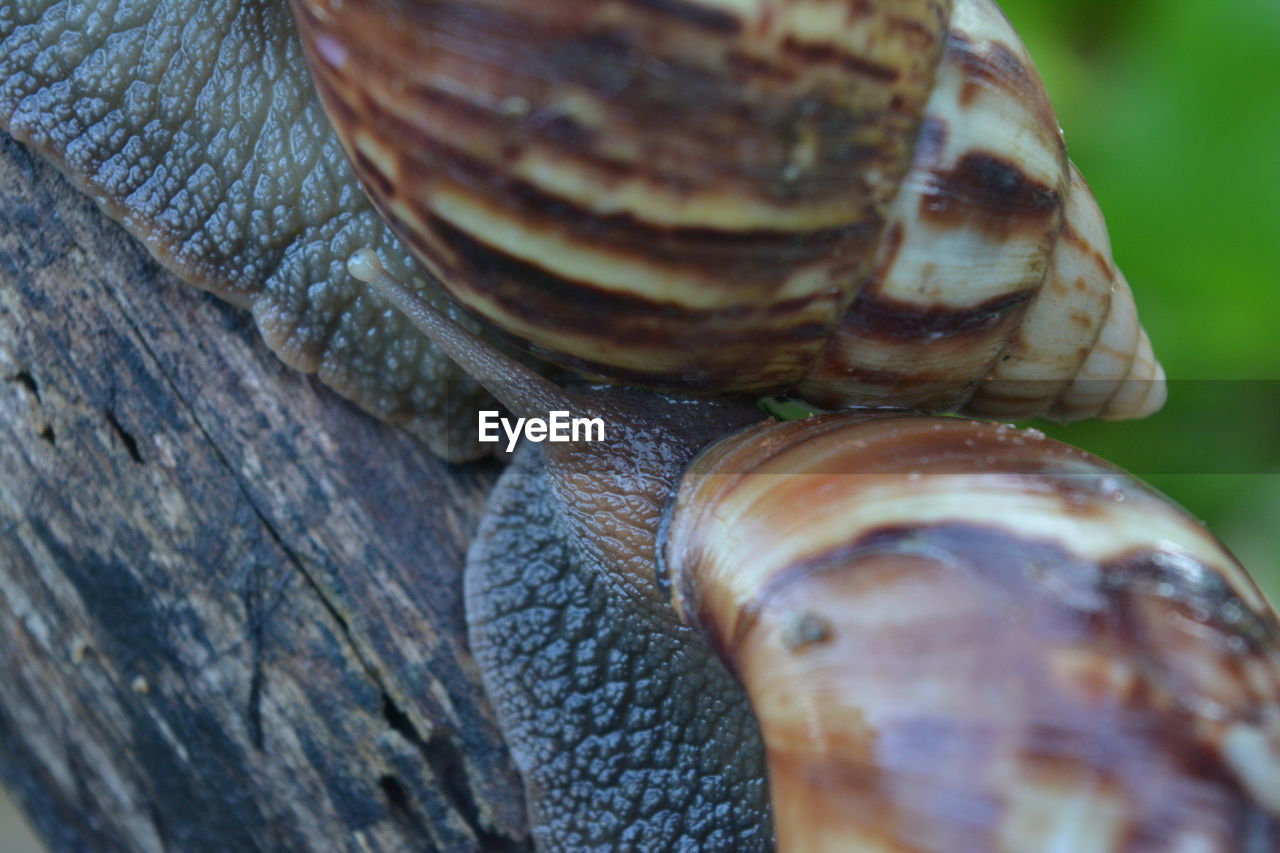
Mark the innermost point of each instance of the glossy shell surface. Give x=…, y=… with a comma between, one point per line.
x=869, y=200
x=951, y=630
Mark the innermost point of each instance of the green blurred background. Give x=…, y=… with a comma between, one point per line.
x=1172, y=111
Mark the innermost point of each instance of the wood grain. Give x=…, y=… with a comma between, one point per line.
x=230, y=603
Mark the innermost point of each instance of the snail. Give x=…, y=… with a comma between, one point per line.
x=865, y=203
x=197, y=129
x=953, y=635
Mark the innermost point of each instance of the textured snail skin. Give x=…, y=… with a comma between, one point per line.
x=194, y=123
x=958, y=636
x=629, y=733
x=870, y=199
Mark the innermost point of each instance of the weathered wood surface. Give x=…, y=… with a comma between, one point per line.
x=230, y=603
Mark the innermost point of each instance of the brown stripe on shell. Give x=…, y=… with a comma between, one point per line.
x=991, y=193
x=682, y=116
x=653, y=330
x=898, y=371
x=751, y=253
x=734, y=260
x=1063, y=323
x=997, y=65
x=1000, y=67
x=695, y=348
x=372, y=174
x=1104, y=597
x=883, y=360
x=1119, y=376
x=1071, y=236
x=745, y=68
x=924, y=33
x=528, y=291
x=880, y=317
x=822, y=54
x=693, y=13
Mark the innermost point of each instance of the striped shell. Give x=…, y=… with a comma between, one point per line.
x=868, y=200
x=958, y=636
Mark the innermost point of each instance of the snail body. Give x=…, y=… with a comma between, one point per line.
x=867, y=203
x=628, y=731
x=951, y=634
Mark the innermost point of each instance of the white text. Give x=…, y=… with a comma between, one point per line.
x=558, y=426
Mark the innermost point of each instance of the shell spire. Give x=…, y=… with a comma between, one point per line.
x=993, y=291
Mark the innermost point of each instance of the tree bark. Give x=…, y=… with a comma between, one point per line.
x=230, y=603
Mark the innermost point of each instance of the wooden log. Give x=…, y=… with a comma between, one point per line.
x=230, y=603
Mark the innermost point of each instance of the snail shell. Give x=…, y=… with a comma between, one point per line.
x=869, y=201
x=957, y=636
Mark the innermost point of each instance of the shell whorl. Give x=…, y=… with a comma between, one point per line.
x=862, y=199
x=993, y=287
x=929, y=674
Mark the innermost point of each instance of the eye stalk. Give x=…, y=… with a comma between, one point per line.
x=516, y=386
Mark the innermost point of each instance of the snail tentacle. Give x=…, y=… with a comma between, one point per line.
x=516, y=386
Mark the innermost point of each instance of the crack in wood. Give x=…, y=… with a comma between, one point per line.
x=126, y=438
